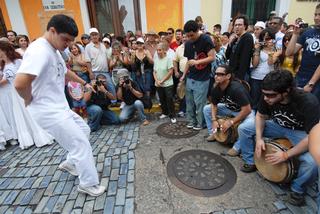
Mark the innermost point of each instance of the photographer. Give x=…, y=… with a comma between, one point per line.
x=129, y=92
x=98, y=102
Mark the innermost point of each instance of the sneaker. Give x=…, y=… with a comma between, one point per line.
x=2, y=146
x=173, y=120
x=211, y=138
x=197, y=127
x=190, y=125
x=296, y=199
x=162, y=116
x=68, y=167
x=122, y=104
x=145, y=122
x=247, y=168
x=181, y=114
x=13, y=142
x=94, y=191
x=232, y=152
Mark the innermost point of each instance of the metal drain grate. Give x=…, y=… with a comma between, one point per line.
x=175, y=130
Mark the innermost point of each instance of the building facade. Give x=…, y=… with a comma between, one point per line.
x=118, y=16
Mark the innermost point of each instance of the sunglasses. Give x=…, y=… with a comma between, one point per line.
x=220, y=74
x=105, y=42
x=273, y=23
x=270, y=95
x=140, y=43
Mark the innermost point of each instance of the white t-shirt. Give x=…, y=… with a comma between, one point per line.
x=97, y=56
x=263, y=67
x=279, y=37
x=49, y=104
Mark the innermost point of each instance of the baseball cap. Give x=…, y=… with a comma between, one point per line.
x=85, y=36
x=140, y=40
x=260, y=24
x=93, y=30
x=106, y=39
x=122, y=73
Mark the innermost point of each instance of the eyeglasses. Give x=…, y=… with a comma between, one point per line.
x=220, y=74
x=169, y=33
x=270, y=95
x=273, y=23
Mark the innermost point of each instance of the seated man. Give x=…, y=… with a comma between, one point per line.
x=129, y=92
x=292, y=114
x=229, y=97
x=97, y=105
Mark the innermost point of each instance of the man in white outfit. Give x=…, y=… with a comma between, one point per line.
x=40, y=82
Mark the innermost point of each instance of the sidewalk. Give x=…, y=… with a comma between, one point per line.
x=128, y=162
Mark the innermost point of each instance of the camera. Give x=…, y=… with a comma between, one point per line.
x=99, y=83
x=126, y=80
x=262, y=43
x=303, y=25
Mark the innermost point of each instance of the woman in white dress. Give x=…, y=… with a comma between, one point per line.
x=22, y=126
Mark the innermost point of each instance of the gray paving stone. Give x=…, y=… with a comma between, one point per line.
x=112, y=188
x=110, y=152
x=117, y=151
x=104, y=182
x=132, y=163
x=68, y=187
x=3, y=195
x=28, y=183
x=59, y=188
x=74, y=193
x=44, y=170
x=58, y=207
x=124, y=159
x=37, y=182
x=20, y=197
x=80, y=201
x=49, y=190
x=130, y=176
x=68, y=206
x=9, y=172
x=294, y=209
x=280, y=205
x=122, y=181
x=285, y=212
x=50, y=204
x=241, y=211
x=64, y=176
x=276, y=189
x=107, y=161
x=114, y=174
x=106, y=171
x=52, y=170
x=45, y=182
x=123, y=169
x=129, y=206
x=11, y=197
x=127, y=143
x=133, y=146
x=30, y=171
x=45, y=161
x=28, y=197
x=118, y=210
x=14, y=183
x=121, y=197
x=100, y=167
x=27, y=210
x=37, y=196
x=99, y=202
x=41, y=205
x=6, y=183
x=23, y=173
x=104, y=149
x=37, y=171
x=115, y=163
x=19, y=210
x=56, y=175
x=109, y=205
x=100, y=158
x=88, y=207
x=124, y=150
x=229, y=212
x=130, y=190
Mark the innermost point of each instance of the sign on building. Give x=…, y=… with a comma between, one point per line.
x=53, y=5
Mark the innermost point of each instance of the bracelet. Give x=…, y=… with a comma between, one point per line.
x=285, y=155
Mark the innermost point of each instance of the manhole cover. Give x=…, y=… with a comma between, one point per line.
x=175, y=130
x=201, y=173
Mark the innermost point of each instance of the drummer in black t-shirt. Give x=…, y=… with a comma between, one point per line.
x=292, y=114
x=229, y=97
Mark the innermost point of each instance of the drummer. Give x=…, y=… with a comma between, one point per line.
x=229, y=97
x=284, y=111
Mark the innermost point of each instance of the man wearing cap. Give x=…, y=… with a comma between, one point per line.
x=129, y=92
x=85, y=39
x=106, y=42
x=96, y=55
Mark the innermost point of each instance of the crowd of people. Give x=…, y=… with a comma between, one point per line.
x=263, y=77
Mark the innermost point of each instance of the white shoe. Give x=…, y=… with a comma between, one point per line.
x=94, y=191
x=173, y=120
x=2, y=146
x=181, y=114
x=13, y=142
x=68, y=167
x=122, y=104
x=163, y=116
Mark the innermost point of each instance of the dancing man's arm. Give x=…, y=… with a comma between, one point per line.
x=23, y=86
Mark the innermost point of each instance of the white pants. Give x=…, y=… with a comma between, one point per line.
x=73, y=135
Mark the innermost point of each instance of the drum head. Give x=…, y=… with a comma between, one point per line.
x=284, y=142
x=276, y=173
x=223, y=137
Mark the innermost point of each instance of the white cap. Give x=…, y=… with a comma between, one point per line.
x=140, y=40
x=93, y=30
x=106, y=39
x=260, y=24
x=273, y=12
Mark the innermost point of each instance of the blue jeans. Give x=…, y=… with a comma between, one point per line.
x=224, y=111
x=255, y=92
x=307, y=169
x=302, y=81
x=83, y=76
x=97, y=116
x=128, y=110
x=196, y=99
x=144, y=80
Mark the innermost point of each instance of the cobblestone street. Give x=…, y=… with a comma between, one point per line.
x=32, y=183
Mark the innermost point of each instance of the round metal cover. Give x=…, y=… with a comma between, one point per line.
x=175, y=130
x=201, y=173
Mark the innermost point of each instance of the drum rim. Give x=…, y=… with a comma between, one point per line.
x=230, y=132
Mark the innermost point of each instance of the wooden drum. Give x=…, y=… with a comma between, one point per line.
x=279, y=173
x=228, y=137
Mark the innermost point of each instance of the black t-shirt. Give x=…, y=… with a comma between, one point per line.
x=128, y=97
x=99, y=99
x=239, y=54
x=199, y=50
x=234, y=96
x=302, y=112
